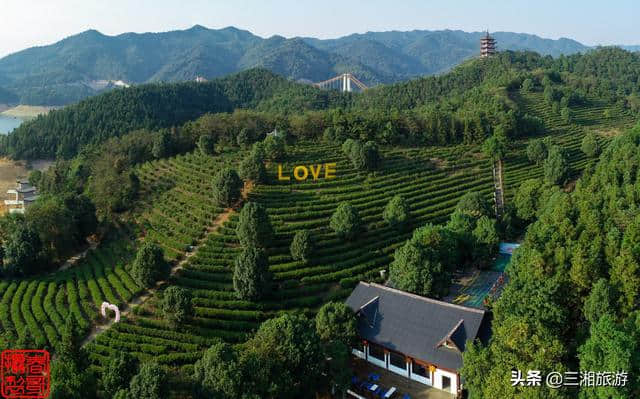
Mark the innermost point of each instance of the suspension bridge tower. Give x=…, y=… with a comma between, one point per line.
x=345, y=82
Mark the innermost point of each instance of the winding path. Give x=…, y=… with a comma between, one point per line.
x=125, y=309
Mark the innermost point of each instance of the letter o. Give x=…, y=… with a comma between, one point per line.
x=304, y=169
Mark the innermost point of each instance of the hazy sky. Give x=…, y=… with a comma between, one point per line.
x=26, y=23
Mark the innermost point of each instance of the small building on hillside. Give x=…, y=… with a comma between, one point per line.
x=24, y=195
x=418, y=338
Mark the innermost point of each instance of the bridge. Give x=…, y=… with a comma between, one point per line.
x=342, y=82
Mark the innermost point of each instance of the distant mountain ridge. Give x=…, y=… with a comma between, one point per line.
x=68, y=70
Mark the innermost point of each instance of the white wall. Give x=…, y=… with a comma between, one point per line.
x=403, y=372
x=437, y=377
x=419, y=378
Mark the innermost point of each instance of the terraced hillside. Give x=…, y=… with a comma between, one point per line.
x=432, y=180
x=176, y=211
x=595, y=116
x=173, y=211
x=34, y=310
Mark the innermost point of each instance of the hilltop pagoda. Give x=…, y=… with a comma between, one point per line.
x=487, y=45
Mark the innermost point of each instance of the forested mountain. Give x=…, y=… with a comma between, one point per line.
x=466, y=104
x=90, y=62
x=64, y=132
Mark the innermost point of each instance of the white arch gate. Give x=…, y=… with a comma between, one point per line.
x=107, y=305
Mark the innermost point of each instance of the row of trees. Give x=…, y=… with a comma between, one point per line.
x=50, y=230
x=573, y=286
x=425, y=263
x=289, y=357
x=553, y=158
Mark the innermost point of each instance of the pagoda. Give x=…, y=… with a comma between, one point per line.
x=487, y=45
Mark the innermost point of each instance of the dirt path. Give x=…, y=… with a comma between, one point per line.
x=141, y=298
x=78, y=257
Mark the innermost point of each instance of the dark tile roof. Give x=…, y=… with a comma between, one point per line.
x=416, y=326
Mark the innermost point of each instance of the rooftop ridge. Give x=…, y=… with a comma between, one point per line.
x=425, y=299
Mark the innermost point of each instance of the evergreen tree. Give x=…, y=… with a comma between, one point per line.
x=302, y=245
x=252, y=168
x=254, y=226
x=590, y=145
x=274, y=147
x=245, y=138
x=345, y=221
x=118, y=372
x=346, y=146
x=227, y=187
x=71, y=377
x=495, y=147
x=22, y=252
x=475, y=204
x=150, y=383
x=486, y=239
x=207, y=144
x=177, y=305
x=565, y=113
x=396, y=212
x=527, y=85
x=599, y=302
x=149, y=265
x=161, y=146
x=335, y=321
x=218, y=373
x=536, y=151
x=556, y=167
x=251, y=276
x=285, y=357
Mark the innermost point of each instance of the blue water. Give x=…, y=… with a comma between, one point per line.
x=8, y=123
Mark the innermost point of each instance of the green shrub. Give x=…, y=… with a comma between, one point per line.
x=345, y=221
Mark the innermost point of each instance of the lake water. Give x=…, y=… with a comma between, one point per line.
x=8, y=123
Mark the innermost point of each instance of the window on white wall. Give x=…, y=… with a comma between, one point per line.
x=397, y=360
x=420, y=370
x=377, y=352
x=446, y=383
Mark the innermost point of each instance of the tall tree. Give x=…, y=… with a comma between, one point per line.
x=302, y=245
x=495, y=147
x=149, y=265
x=118, y=372
x=285, y=355
x=252, y=168
x=590, y=145
x=335, y=321
x=396, y=212
x=227, y=187
x=274, y=147
x=177, y=305
x=150, y=382
x=22, y=252
x=251, y=276
x=345, y=221
x=254, y=226
x=536, y=151
x=207, y=144
x=218, y=374
x=556, y=167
